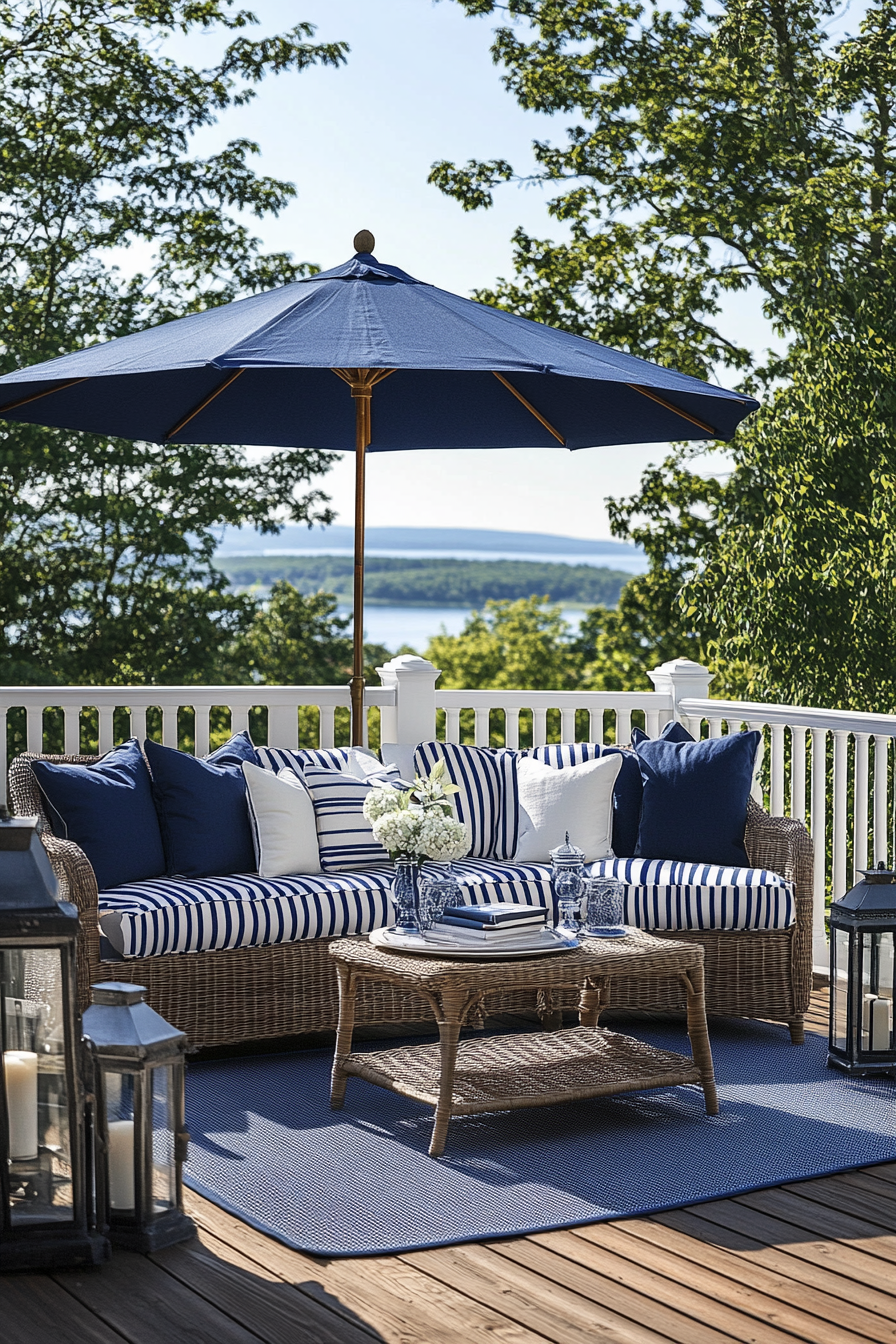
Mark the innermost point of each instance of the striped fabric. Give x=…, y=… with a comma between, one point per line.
x=147, y=919
x=662, y=894
x=328, y=758
x=559, y=754
x=165, y=915
x=488, y=801
x=344, y=834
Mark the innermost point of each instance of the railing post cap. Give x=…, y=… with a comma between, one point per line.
x=676, y=666
x=409, y=664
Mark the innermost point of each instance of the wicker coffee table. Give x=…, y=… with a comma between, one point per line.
x=496, y=1073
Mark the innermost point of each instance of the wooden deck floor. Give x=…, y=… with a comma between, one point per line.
x=815, y=1261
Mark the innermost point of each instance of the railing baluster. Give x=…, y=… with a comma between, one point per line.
x=35, y=729
x=777, y=770
x=106, y=715
x=819, y=834
x=239, y=718
x=539, y=727
x=860, y=806
x=72, y=730
x=481, y=727
x=512, y=729
x=881, y=796
x=452, y=725
x=798, y=773
x=623, y=727
x=841, y=745
x=327, y=725
x=567, y=725
x=595, y=725
x=201, y=728
x=169, y=725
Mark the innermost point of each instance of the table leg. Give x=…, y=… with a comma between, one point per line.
x=592, y=1000
x=699, y=1036
x=550, y=1017
x=343, y=1035
x=453, y=1009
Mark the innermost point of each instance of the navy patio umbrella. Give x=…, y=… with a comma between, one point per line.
x=448, y=373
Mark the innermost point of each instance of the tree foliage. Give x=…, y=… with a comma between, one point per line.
x=714, y=150
x=108, y=224
x=521, y=644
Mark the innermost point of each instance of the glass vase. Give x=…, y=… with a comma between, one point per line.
x=406, y=895
x=438, y=890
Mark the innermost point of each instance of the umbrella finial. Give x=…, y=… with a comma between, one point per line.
x=364, y=241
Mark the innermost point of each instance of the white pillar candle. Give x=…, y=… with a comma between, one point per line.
x=881, y=1023
x=20, y=1069
x=121, y=1164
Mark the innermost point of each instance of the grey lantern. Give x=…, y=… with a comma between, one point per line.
x=863, y=935
x=141, y=1141
x=44, y=1204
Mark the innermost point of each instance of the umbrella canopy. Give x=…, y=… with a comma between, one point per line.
x=448, y=373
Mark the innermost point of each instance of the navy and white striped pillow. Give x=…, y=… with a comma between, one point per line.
x=488, y=801
x=327, y=758
x=344, y=834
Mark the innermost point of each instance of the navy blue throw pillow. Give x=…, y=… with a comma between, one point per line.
x=202, y=808
x=672, y=732
x=107, y=809
x=694, y=806
x=626, y=802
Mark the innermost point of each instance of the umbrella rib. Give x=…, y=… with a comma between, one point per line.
x=36, y=396
x=661, y=401
x=182, y=424
x=531, y=409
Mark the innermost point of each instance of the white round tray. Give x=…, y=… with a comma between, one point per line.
x=543, y=942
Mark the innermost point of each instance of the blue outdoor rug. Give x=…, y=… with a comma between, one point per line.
x=266, y=1146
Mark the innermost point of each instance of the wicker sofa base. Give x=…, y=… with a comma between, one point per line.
x=258, y=993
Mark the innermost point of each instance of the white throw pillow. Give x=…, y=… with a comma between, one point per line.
x=401, y=755
x=577, y=799
x=283, y=824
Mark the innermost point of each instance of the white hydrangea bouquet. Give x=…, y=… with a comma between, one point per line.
x=417, y=823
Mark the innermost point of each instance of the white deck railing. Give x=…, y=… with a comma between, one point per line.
x=832, y=769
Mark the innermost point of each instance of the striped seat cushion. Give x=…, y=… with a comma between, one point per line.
x=146, y=919
x=487, y=801
x=663, y=894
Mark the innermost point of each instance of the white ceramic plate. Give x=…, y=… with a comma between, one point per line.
x=544, y=941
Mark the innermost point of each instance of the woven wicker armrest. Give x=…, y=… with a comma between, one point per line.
x=69, y=862
x=784, y=846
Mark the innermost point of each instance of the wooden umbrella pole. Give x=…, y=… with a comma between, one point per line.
x=361, y=393
x=362, y=383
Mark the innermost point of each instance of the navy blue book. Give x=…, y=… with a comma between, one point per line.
x=493, y=915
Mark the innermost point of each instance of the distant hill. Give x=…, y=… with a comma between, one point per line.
x=403, y=581
x=246, y=541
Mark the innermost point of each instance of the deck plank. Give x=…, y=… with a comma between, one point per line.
x=146, y=1305
x=35, y=1309
x=389, y=1294
x=257, y=1298
x=549, y=1306
x=778, y=1299
x=824, y=1287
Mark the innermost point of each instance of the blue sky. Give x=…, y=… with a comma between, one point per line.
x=358, y=143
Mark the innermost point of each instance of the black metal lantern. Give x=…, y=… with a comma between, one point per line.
x=863, y=940
x=140, y=1136
x=44, y=1208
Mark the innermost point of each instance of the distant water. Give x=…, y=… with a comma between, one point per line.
x=394, y=626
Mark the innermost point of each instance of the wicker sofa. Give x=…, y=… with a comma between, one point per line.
x=264, y=992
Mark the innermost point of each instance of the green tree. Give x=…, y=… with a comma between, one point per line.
x=715, y=150
x=508, y=644
x=106, y=546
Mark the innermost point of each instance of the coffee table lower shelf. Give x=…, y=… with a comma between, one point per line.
x=498, y=1073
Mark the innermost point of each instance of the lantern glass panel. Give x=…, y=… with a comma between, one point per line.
x=120, y=1097
x=164, y=1166
x=32, y=1028
x=840, y=990
x=877, y=990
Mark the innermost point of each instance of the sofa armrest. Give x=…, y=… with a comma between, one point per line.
x=77, y=880
x=784, y=846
